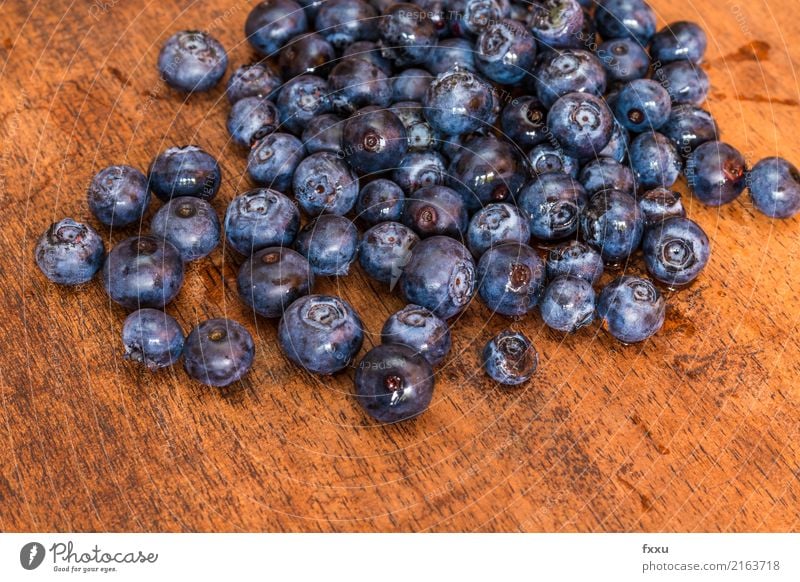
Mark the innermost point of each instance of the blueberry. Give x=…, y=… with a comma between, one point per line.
x=625, y=19
x=617, y=147
x=373, y=139
x=556, y=23
x=716, y=173
x=411, y=85
x=679, y=41
x=686, y=82
x=440, y=276
x=606, y=174
x=385, y=250
x=192, y=61
x=143, y=271
x=774, y=185
x=505, y=51
x=185, y=171
x=458, y=102
x=435, y=11
x=356, y=83
x=524, y=122
x=271, y=279
x=420, y=170
x=688, y=127
x=655, y=160
x=419, y=329
x=330, y=244
x=153, y=338
x=581, y=123
x=495, y=224
x=272, y=23
x=631, y=309
x=344, y=22
x=470, y=17
x=218, y=352
x=546, y=158
x=308, y=53
x=613, y=224
x=568, y=71
x=323, y=133
x=510, y=278
x=69, y=253
x=324, y=183
x=643, y=105
x=273, y=160
x=405, y=37
x=251, y=119
x=449, y=53
x=256, y=80
x=380, y=201
x=486, y=170
x=260, y=218
x=553, y=203
x=421, y=136
x=575, y=259
x=118, y=195
x=624, y=59
x=659, y=204
x=567, y=304
x=510, y=358
x=394, y=383
x=320, y=333
x=300, y=100
x=369, y=51
x=675, y=251
x=436, y=210
x=190, y=224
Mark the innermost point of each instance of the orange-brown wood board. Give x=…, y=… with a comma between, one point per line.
x=694, y=430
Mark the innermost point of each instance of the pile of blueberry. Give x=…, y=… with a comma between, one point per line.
x=455, y=133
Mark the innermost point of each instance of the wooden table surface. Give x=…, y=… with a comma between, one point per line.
x=695, y=430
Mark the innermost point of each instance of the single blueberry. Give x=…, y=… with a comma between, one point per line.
x=330, y=244
x=218, y=352
x=380, y=201
x=440, y=276
x=355, y=82
x=556, y=23
x=320, y=333
x=568, y=71
x=273, y=159
x=774, y=185
x=613, y=224
x=716, y=173
x=524, y=122
x=419, y=329
x=324, y=183
x=686, y=82
x=256, y=80
x=69, y=253
x=582, y=124
x=495, y=224
x=631, y=309
x=468, y=18
x=405, y=37
x=185, y=171
x=191, y=60
x=511, y=277
x=260, y=218
x=308, y=53
x=553, y=203
x=575, y=259
x=505, y=51
x=624, y=59
x=344, y=22
x=143, y=271
x=675, y=251
x=190, y=224
x=153, y=338
x=323, y=133
x=567, y=304
x=510, y=358
x=385, y=250
x=458, y=102
x=369, y=51
x=643, y=105
x=688, y=127
x=394, y=383
x=251, y=119
x=118, y=195
x=420, y=170
x=449, y=53
x=655, y=160
x=300, y=100
x=679, y=41
x=271, y=279
x=547, y=158
x=625, y=19
x=272, y=23
x=659, y=204
x=436, y=210
x=606, y=174
x=373, y=139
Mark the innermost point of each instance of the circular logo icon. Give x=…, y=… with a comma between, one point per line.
x=31, y=555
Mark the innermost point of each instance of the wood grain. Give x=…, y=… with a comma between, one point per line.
x=696, y=430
